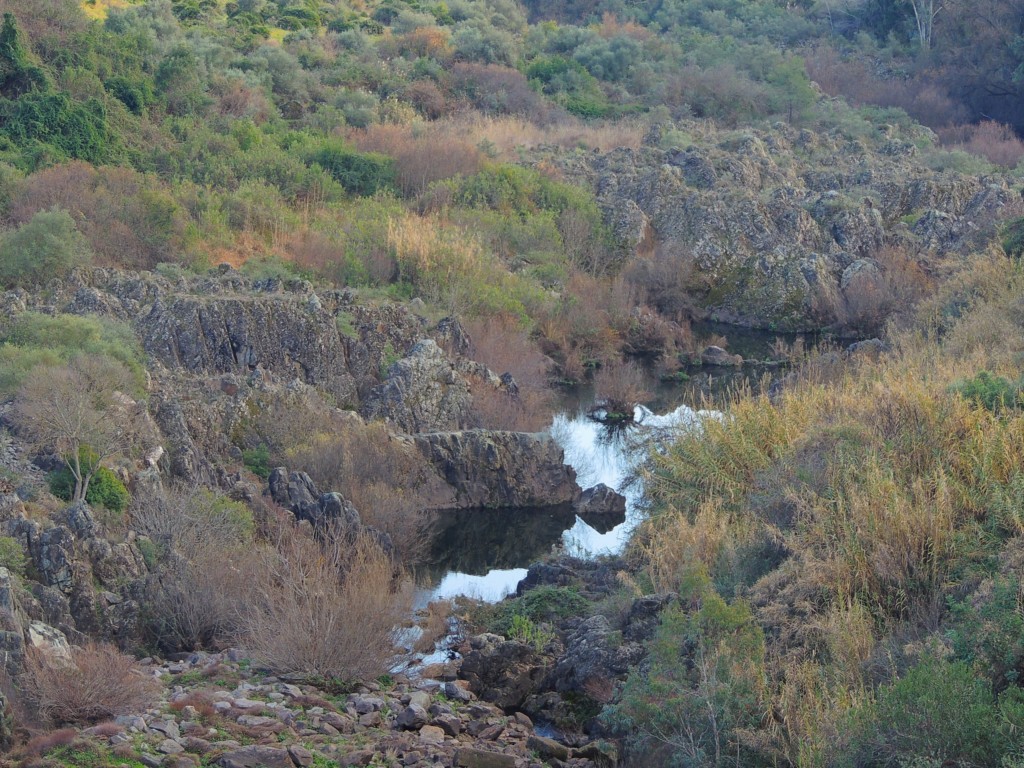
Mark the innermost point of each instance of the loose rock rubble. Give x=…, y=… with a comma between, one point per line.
x=218, y=712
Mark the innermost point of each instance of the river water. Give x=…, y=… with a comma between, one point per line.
x=484, y=553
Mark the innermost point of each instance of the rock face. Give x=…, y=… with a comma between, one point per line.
x=225, y=323
x=297, y=492
x=499, y=469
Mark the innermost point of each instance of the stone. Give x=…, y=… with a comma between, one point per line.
x=450, y=724
x=601, y=507
x=168, y=728
x=301, y=756
x=423, y=392
x=546, y=747
x=503, y=672
x=256, y=757
x=468, y=757
x=716, y=356
x=431, y=734
x=412, y=718
x=456, y=692
x=170, y=747
x=490, y=469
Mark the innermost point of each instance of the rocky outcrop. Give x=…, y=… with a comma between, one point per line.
x=498, y=469
x=296, y=492
x=762, y=224
x=504, y=672
x=422, y=392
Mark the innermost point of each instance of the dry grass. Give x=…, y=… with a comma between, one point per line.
x=507, y=135
x=99, y=683
x=308, y=616
x=383, y=476
x=435, y=622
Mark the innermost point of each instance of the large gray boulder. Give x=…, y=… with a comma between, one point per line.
x=485, y=468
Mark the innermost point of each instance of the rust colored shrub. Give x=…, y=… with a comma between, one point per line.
x=126, y=217
x=619, y=386
x=994, y=141
x=427, y=98
x=98, y=683
x=40, y=745
x=421, y=157
x=499, y=90
x=425, y=43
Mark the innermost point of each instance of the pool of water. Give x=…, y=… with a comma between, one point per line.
x=484, y=553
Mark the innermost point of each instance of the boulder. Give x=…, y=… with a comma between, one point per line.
x=714, y=355
x=503, y=672
x=468, y=757
x=494, y=469
x=256, y=757
x=601, y=507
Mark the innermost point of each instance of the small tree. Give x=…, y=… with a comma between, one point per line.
x=79, y=410
x=45, y=247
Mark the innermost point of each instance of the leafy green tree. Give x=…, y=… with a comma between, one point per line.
x=45, y=247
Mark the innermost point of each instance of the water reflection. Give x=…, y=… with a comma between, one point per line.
x=484, y=553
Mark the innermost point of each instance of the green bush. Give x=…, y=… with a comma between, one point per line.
x=989, y=632
x=45, y=247
x=105, y=489
x=994, y=393
x=703, y=687
x=12, y=555
x=360, y=173
x=73, y=129
x=1013, y=238
x=36, y=339
x=937, y=711
x=543, y=604
x=257, y=460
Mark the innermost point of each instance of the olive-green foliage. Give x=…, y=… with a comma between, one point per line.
x=543, y=604
x=704, y=683
x=18, y=73
x=105, y=488
x=989, y=631
x=939, y=713
x=257, y=460
x=12, y=555
x=52, y=119
x=995, y=393
x=35, y=339
x=1013, y=238
x=360, y=173
x=45, y=247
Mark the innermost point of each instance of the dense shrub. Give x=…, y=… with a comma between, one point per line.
x=703, y=687
x=995, y=393
x=360, y=173
x=310, y=614
x=45, y=247
x=105, y=488
x=96, y=683
x=938, y=711
x=36, y=339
